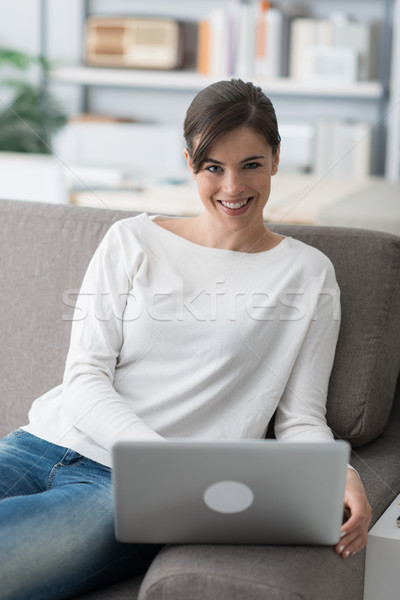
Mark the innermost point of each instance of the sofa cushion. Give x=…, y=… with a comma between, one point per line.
x=367, y=362
x=238, y=572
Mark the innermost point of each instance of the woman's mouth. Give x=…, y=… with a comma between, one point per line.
x=235, y=207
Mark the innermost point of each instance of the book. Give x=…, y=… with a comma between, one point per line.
x=342, y=149
x=246, y=40
x=268, y=47
x=203, y=47
x=220, y=35
x=214, y=48
x=357, y=36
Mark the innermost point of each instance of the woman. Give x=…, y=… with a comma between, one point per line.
x=200, y=327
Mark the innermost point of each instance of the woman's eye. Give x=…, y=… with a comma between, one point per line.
x=252, y=165
x=214, y=169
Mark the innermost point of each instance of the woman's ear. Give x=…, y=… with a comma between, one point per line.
x=189, y=162
x=275, y=160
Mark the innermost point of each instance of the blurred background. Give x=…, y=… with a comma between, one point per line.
x=93, y=95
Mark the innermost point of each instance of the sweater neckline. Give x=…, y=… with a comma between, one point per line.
x=149, y=221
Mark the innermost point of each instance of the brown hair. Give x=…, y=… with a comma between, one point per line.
x=223, y=106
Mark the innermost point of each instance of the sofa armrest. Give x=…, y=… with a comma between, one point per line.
x=253, y=572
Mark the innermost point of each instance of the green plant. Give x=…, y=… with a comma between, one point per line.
x=29, y=120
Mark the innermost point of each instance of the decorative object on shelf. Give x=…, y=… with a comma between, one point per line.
x=135, y=42
x=335, y=48
x=29, y=120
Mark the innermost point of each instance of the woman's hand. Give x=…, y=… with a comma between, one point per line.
x=355, y=530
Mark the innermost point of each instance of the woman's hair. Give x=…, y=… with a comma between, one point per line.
x=223, y=106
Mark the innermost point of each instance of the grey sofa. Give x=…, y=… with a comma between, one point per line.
x=44, y=251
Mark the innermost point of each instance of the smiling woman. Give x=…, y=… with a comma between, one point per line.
x=222, y=107
x=199, y=328
x=232, y=150
x=234, y=184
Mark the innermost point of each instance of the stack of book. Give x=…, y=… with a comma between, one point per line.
x=256, y=40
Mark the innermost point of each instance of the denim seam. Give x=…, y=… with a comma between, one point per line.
x=61, y=464
x=77, y=464
x=18, y=432
x=53, y=472
x=19, y=495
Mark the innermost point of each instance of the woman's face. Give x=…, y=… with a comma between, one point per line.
x=234, y=181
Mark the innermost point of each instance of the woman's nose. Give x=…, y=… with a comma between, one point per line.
x=232, y=184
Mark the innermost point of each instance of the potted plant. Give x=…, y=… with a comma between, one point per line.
x=33, y=115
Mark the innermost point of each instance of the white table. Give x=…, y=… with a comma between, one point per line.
x=370, y=203
x=382, y=576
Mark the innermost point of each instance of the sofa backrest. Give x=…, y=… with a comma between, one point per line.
x=367, y=361
x=45, y=250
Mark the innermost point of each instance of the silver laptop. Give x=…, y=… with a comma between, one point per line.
x=229, y=492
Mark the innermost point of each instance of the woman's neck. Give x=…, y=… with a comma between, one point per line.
x=206, y=231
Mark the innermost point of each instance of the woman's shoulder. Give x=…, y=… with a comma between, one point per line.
x=129, y=229
x=126, y=235
x=308, y=250
x=128, y=223
x=313, y=259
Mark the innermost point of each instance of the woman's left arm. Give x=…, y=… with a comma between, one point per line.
x=354, y=531
x=301, y=411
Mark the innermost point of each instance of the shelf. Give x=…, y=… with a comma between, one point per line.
x=191, y=81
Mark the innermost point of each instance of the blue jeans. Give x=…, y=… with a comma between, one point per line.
x=57, y=525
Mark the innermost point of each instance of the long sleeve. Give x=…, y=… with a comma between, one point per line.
x=89, y=397
x=171, y=339
x=301, y=410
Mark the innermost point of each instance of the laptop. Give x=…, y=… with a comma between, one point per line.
x=229, y=492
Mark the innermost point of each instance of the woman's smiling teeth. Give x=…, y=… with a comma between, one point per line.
x=235, y=205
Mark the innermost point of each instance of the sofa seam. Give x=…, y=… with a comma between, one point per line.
x=223, y=577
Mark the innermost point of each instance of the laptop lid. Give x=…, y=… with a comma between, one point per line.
x=229, y=492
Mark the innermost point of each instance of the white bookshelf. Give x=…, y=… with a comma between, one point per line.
x=184, y=80
x=99, y=89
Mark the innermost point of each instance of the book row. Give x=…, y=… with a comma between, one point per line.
x=255, y=40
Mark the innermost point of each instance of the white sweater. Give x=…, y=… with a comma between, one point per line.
x=173, y=339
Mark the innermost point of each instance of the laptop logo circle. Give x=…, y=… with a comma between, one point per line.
x=228, y=497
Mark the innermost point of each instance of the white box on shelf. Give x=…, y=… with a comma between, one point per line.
x=332, y=63
x=383, y=557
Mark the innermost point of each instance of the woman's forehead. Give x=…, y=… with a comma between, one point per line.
x=239, y=140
